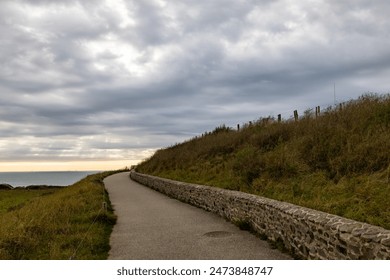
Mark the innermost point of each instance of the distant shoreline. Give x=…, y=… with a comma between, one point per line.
x=29, y=187
x=44, y=179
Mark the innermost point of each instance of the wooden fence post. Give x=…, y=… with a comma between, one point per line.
x=279, y=117
x=318, y=111
x=296, y=115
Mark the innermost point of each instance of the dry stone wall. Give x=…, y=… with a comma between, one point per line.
x=306, y=233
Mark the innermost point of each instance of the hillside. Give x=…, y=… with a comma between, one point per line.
x=337, y=162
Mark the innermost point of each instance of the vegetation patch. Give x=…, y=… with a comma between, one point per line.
x=337, y=161
x=73, y=222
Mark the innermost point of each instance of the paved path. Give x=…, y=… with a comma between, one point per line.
x=153, y=226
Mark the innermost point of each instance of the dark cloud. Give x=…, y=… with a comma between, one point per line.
x=116, y=79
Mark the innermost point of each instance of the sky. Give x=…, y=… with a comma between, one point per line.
x=102, y=84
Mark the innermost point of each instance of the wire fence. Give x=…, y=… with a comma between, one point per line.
x=295, y=115
x=103, y=209
x=72, y=257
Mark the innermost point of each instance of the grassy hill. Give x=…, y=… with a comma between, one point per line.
x=66, y=223
x=337, y=162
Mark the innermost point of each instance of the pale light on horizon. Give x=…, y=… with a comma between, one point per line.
x=66, y=165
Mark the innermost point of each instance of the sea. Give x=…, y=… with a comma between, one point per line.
x=49, y=178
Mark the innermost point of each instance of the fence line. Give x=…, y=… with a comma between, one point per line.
x=102, y=209
x=295, y=114
x=85, y=235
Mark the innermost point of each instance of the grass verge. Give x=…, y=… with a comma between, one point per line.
x=337, y=162
x=67, y=223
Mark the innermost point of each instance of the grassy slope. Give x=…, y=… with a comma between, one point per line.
x=58, y=224
x=14, y=199
x=338, y=163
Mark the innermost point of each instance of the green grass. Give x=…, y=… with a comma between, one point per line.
x=67, y=223
x=338, y=162
x=13, y=199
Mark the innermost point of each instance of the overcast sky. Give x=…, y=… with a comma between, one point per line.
x=95, y=80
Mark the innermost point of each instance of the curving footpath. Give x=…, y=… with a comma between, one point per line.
x=151, y=225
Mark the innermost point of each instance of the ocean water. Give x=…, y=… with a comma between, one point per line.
x=52, y=178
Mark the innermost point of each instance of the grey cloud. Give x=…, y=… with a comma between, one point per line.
x=147, y=74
